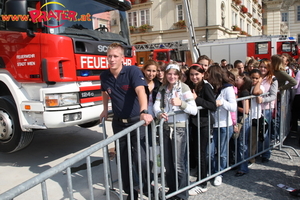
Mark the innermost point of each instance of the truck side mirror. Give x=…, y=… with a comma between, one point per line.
x=15, y=8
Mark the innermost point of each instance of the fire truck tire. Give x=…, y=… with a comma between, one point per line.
x=90, y=124
x=12, y=138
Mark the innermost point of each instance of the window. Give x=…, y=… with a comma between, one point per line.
x=286, y=47
x=261, y=48
x=254, y=13
x=284, y=17
x=161, y=56
x=233, y=18
x=242, y=24
x=138, y=18
x=298, y=13
x=249, y=5
x=248, y=28
x=144, y=17
x=179, y=13
x=132, y=19
x=265, y=21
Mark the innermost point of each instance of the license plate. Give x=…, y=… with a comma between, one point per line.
x=90, y=94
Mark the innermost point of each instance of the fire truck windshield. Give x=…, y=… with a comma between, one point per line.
x=98, y=20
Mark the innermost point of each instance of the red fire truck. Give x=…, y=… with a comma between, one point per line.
x=51, y=56
x=230, y=49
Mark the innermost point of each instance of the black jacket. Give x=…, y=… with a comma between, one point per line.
x=206, y=99
x=157, y=84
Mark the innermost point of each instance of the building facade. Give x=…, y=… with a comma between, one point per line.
x=155, y=21
x=282, y=17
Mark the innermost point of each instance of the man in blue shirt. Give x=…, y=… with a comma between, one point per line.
x=125, y=85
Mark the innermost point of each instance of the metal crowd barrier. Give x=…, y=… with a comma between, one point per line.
x=155, y=161
x=284, y=118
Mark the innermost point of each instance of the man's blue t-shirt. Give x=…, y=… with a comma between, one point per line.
x=124, y=99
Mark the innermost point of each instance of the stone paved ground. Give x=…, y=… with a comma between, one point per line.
x=261, y=182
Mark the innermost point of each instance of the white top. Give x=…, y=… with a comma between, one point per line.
x=188, y=104
x=255, y=107
x=222, y=115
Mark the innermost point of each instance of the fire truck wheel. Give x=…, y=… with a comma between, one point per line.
x=12, y=138
x=89, y=124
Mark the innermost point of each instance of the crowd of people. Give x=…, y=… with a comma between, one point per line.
x=215, y=87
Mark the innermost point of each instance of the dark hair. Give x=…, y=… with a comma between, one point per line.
x=148, y=63
x=204, y=57
x=288, y=56
x=236, y=63
x=228, y=77
x=253, y=71
x=198, y=68
x=223, y=60
x=247, y=83
x=229, y=66
x=161, y=65
x=214, y=75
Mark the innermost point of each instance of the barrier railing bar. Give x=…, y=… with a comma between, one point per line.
x=139, y=160
x=89, y=176
x=130, y=166
x=162, y=156
x=154, y=158
x=40, y=179
x=148, y=157
x=284, y=98
x=44, y=190
x=70, y=186
x=26, y=185
x=106, y=175
x=119, y=168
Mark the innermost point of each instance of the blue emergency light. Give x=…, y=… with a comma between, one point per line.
x=84, y=73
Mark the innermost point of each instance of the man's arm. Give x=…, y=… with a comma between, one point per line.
x=142, y=97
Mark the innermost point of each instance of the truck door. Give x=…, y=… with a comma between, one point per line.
x=20, y=50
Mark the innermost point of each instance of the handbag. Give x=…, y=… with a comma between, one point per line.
x=240, y=124
x=262, y=127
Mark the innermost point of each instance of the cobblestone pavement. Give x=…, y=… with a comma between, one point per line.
x=262, y=179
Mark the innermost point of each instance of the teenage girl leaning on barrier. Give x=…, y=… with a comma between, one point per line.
x=270, y=85
x=204, y=96
x=173, y=96
x=223, y=129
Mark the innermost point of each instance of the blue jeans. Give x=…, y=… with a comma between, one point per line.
x=242, y=146
x=222, y=151
x=276, y=123
x=266, y=144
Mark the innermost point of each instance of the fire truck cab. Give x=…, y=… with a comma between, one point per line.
x=51, y=56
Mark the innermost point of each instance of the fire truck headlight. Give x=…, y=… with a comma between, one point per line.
x=69, y=99
x=55, y=100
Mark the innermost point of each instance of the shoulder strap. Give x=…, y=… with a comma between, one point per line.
x=162, y=91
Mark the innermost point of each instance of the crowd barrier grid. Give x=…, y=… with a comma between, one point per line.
x=155, y=167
